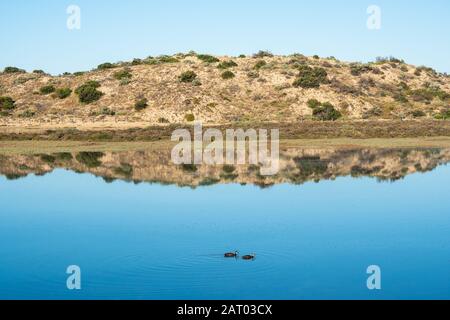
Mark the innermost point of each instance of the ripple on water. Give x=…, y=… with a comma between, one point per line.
x=141, y=273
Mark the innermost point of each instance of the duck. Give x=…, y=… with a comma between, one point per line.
x=249, y=256
x=232, y=254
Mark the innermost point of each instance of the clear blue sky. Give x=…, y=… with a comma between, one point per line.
x=34, y=33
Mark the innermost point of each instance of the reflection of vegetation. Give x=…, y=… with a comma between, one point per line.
x=90, y=159
x=63, y=156
x=229, y=172
x=311, y=165
x=48, y=158
x=124, y=170
x=209, y=181
x=297, y=166
x=189, y=167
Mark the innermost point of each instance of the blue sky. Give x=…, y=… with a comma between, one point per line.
x=34, y=33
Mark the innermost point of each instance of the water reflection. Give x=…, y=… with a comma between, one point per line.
x=297, y=166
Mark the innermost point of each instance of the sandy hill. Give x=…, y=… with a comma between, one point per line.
x=221, y=90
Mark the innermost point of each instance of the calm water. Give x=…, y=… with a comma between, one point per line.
x=154, y=241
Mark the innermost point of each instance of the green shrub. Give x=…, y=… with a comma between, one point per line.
x=356, y=69
x=107, y=112
x=122, y=74
x=227, y=64
x=63, y=93
x=443, y=115
x=105, y=66
x=259, y=64
x=27, y=114
x=167, y=59
x=189, y=117
x=313, y=103
x=241, y=56
x=263, y=54
x=90, y=159
x=136, y=62
x=141, y=104
x=428, y=94
x=88, y=93
x=13, y=70
x=38, y=71
x=316, y=57
x=381, y=60
x=323, y=111
x=47, y=89
x=418, y=114
x=207, y=58
x=228, y=75
x=6, y=104
x=309, y=77
x=326, y=112
x=188, y=76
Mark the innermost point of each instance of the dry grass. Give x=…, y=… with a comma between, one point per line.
x=48, y=147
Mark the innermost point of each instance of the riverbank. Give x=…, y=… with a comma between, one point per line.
x=47, y=147
x=300, y=130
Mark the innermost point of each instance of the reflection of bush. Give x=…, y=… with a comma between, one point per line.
x=90, y=159
x=124, y=170
x=309, y=166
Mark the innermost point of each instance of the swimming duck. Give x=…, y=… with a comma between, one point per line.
x=232, y=254
x=249, y=256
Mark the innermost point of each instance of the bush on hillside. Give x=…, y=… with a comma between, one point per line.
x=313, y=103
x=13, y=70
x=122, y=74
x=310, y=77
x=6, y=104
x=228, y=75
x=323, y=111
x=88, y=93
x=326, y=112
x=106, y=65
x=227, y=64
x=167, y=59
x=188, y=76
x=47, y=89
x=141, y=104
x=260, y=64
x=263, y=54
x=63, y=93
x=207, y=58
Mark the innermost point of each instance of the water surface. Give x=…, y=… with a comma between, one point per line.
x=140, y=228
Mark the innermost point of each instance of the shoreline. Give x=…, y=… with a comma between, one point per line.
x=379, y=129
x=42, y=146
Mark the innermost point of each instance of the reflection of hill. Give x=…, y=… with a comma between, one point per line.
x=297, y=166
